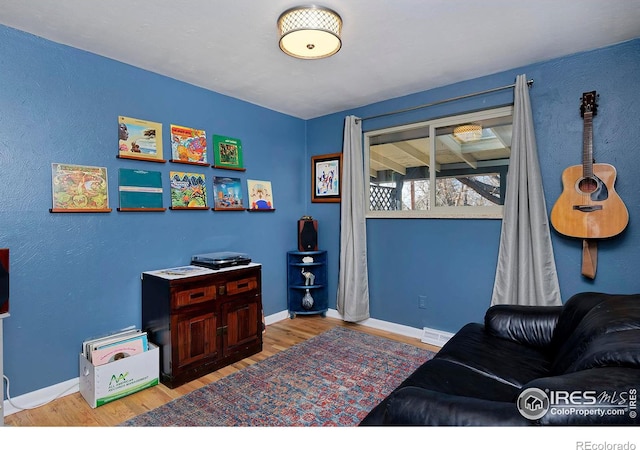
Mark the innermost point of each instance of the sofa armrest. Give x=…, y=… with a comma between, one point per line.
x=413, y=405
x=529, y=325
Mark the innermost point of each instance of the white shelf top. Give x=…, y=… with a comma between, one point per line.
x=176, y=273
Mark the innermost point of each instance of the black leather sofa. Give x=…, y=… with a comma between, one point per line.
x=576, y=364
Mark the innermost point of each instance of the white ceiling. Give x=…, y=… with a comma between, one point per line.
x=390, y=47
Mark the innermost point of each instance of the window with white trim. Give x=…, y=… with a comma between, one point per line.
x=461, y=173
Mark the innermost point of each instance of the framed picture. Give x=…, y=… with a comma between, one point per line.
x=79, y=188
x=188, y=145
x=188, y=190
x=326, y=175
x=139, y=139
x=227, y=153
x=227, y=194
x=260, y=195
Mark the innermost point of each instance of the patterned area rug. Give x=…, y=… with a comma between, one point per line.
x=333, y=379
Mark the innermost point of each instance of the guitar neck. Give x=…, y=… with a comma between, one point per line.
x=587, y=145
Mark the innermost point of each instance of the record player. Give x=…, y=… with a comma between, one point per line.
x=219, y=260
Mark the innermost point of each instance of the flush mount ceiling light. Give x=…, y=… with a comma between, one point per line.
x=310, y=32
x=468, y=133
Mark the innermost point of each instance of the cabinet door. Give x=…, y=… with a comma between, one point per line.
x=197, y=337
x=243, y=323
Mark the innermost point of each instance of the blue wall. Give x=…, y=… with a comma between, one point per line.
x=74, y=276
x=78, y=275
x=452, y=262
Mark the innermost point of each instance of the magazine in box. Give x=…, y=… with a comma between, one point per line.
x=118, y=350
x=92, y=343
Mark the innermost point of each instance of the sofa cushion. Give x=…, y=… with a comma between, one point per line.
x=529, y=325
x=618, y=349
x=573, y=311
x=581, y=348
x=503, y=360
x=416, y=406
x=448, y=377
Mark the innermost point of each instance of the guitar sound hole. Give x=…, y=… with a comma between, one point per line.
x=587, y=185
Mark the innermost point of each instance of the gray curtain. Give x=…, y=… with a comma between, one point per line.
x=353, y=279
x=526, y=271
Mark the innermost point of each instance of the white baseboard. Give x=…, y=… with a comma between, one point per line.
x=435, y=337
x=277, y=317
x=42, y=396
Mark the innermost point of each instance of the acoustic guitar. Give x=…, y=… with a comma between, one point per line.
x=589, y=207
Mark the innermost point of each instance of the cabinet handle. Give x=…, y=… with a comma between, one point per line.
x=196, y=295
x=222, y=289
x=243, y=285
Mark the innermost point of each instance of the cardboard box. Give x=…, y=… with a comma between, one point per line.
x=102, y=384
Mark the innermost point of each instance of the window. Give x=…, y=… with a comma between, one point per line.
x=461, y=173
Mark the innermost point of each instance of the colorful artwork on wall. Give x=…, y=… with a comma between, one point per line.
x=79, y=188
x=188, y=190
x=227, y=194
x=188, y=145
x=227, y=153
x=260, y=195
x=326, y=171
x=139, y=139
x=140, y=190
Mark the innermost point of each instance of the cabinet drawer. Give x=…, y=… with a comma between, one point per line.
x=242, y=285
x=195, y=295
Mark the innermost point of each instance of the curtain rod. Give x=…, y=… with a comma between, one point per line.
x=413, y=108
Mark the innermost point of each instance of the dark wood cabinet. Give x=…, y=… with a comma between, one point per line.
x=202, y=319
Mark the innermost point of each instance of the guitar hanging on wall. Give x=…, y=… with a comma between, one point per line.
x=589, y=207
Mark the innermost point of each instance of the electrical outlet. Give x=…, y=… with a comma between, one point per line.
x=422, y=301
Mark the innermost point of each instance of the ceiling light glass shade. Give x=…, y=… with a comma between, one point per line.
x=467, y=133
x=310, y=32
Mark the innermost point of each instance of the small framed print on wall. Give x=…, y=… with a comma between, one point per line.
x=326, y=178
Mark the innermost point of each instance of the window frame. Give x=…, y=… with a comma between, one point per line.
x=435, y=212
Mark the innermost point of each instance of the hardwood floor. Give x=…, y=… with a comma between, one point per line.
x=73, y=410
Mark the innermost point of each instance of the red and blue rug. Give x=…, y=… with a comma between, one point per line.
x=333, y=379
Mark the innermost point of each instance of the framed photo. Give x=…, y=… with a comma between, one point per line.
x=139, y=139
x=79, y=188
x=227, y=194
x=326, y=178
x=260, y=195
x=227, y=153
